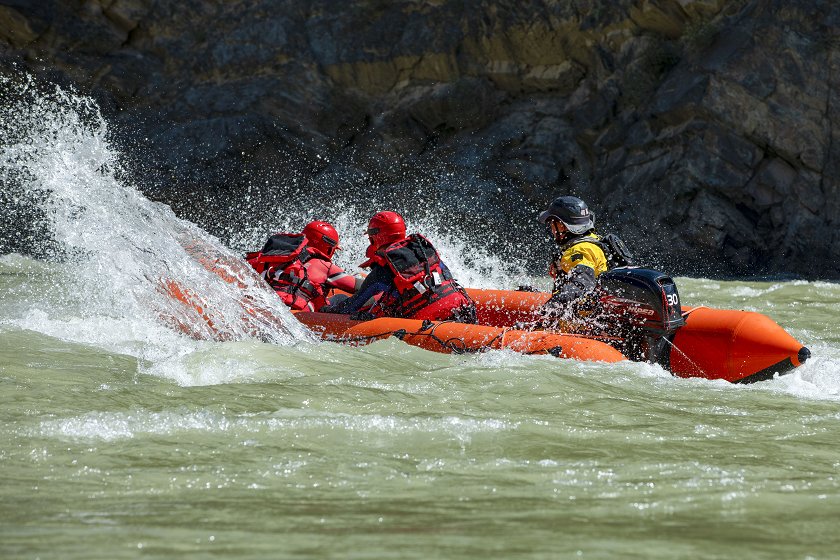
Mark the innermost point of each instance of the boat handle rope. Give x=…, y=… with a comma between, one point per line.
x=683, y=353
x=687, y=313
x=451, y=343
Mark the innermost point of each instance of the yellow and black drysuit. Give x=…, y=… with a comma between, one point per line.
x=576, y=268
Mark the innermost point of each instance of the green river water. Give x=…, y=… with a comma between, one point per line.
x=315, y=450
x=121, y=438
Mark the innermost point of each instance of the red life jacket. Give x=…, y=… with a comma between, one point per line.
x=419, y=277
x=281, y=262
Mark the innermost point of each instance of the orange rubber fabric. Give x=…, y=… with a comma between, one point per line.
x=714, y=344
x=450, y=337
x=730, y=345
x=503, y=308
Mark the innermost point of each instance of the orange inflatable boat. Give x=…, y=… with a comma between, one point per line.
x=195, y=317
x=636, y=315
x=642, y=317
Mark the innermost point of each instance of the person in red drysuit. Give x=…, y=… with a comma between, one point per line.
x=300, y=269
x=408, y=276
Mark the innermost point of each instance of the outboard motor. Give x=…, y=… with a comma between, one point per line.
x=644, y=307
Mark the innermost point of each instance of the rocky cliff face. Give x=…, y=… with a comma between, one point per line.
x=702, y=131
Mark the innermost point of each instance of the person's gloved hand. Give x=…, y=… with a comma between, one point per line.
x=325, y=309
x=580, y=281
x=565, y=294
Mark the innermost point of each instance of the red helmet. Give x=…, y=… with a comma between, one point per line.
x=322, y=237
x=384, y=228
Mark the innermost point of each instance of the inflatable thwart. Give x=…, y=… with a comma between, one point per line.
x=636, y=315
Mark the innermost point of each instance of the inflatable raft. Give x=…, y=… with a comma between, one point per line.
x=636, y=315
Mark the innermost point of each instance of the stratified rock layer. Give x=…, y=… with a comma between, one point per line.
x=702, y=131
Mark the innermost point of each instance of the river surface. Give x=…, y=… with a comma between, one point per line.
x=120, y=437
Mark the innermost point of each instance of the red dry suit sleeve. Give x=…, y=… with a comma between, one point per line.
x=339, y=279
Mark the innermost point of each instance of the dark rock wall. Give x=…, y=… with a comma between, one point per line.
x=702, y=131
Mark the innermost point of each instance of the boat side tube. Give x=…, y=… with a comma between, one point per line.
x=738, y=346
x=459, y=338
x=503, y=308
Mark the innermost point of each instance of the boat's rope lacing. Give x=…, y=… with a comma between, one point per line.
x=455, y=344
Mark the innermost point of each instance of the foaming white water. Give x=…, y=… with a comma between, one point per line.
x=819, y=378
x=110, y=426
x=125, y=257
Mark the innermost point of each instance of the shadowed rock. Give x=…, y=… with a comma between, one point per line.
x=700, y=130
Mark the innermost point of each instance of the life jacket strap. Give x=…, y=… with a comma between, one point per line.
x=291, y=283
x=412, y=300
x=614, y=249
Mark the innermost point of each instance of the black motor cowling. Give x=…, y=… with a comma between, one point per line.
x=642, y=306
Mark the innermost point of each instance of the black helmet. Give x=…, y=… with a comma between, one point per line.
x=573, y=212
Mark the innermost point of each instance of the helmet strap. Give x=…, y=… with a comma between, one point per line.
x=562, y=238
x=559, y=237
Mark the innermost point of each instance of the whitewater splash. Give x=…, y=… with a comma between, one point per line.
x=123, y=254
x=113, y=255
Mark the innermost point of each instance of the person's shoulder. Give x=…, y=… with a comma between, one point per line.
x=585, y=239
x=593, y=238
x=596, y=242
x=380, y=266
x=319, y=262
x=588, y=242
